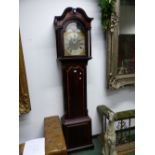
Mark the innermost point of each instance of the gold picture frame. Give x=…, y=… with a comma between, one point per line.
x=24, y=100
x=119, y=76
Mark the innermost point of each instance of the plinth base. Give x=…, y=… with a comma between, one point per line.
x=77, y=133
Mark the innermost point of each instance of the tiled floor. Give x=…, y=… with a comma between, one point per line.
x=96, y=151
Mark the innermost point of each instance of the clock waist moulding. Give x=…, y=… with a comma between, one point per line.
x=73, y=41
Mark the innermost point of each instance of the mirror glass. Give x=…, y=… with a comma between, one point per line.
x=126, y=46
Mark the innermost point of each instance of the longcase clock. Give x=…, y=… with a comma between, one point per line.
x=73, y=40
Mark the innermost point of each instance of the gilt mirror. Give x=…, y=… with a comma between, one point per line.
x=121, y=45
x=24, y=100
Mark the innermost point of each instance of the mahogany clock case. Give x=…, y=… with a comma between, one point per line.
x=75, y=121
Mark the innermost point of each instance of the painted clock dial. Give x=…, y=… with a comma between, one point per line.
x=74, y=40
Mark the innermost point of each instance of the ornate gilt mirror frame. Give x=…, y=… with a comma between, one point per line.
x=118, y=73
x=24, y=100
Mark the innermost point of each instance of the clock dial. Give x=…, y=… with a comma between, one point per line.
x=74, y=40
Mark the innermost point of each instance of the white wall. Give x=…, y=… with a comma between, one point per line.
x=44, y=73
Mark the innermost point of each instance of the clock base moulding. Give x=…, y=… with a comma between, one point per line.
x=75, y=130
